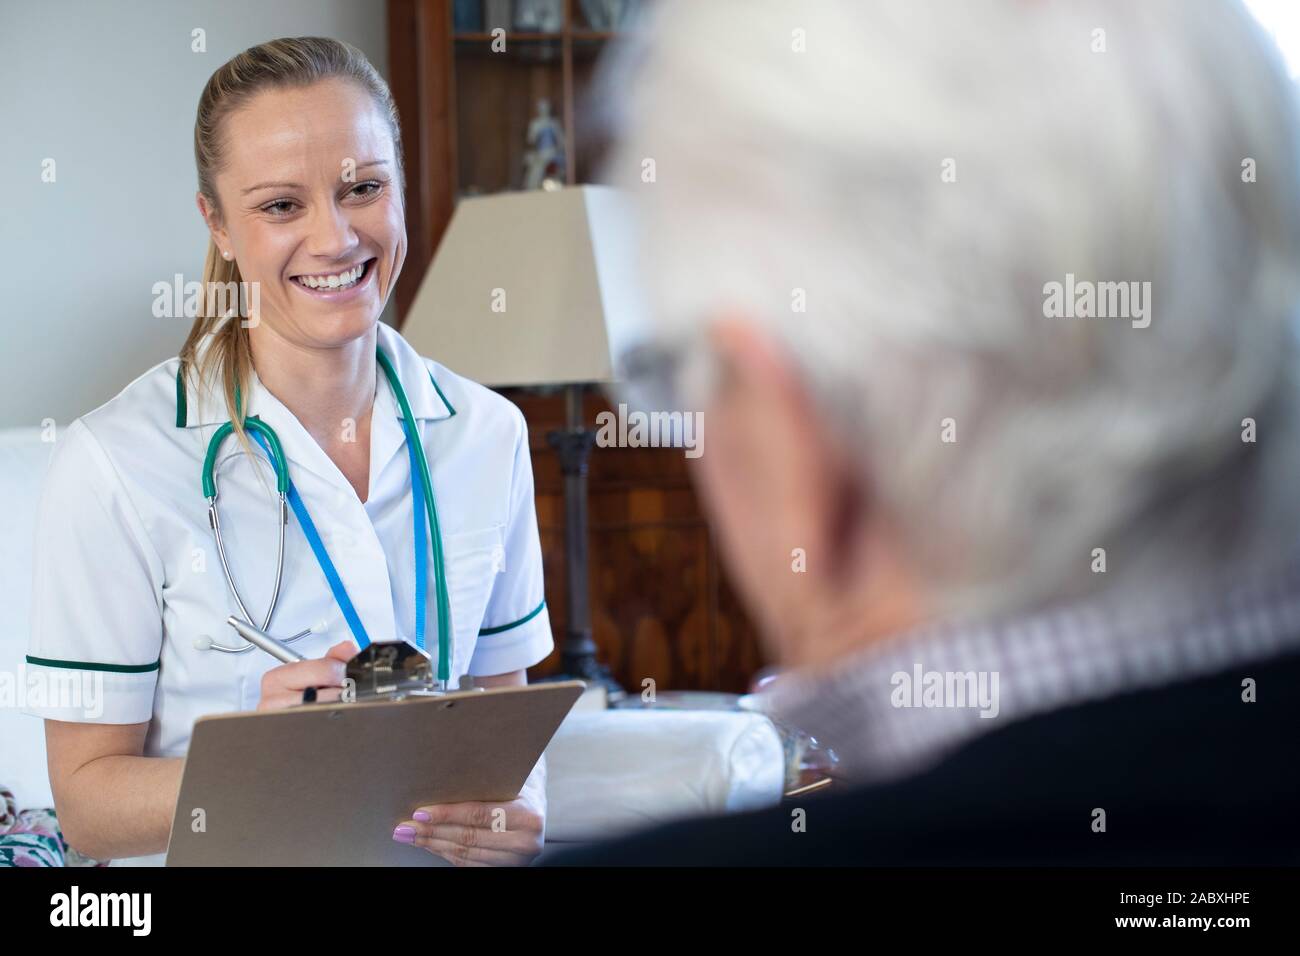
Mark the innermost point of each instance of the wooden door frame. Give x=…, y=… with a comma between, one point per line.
x=423, y=82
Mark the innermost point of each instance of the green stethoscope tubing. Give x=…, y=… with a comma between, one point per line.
x=280, y=466
x=252, y=425
x=442, y=598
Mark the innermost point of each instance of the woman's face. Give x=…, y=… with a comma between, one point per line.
x=311, y=210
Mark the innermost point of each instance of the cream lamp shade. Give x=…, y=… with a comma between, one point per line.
x=532, y=288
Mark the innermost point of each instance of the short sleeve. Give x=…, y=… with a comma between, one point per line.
x=96, y=621
x=516, y=631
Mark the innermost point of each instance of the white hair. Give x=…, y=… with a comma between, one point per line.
x=1113, y=141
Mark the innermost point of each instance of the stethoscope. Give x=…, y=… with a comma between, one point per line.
x=290, y=499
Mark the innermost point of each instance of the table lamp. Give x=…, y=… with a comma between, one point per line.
x=538, y=288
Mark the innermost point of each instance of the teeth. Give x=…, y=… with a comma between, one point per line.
x=338, y=281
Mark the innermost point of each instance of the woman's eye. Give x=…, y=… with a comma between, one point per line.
x=282, y=208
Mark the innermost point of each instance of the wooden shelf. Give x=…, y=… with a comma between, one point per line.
x=660, y=603
x=525, y=37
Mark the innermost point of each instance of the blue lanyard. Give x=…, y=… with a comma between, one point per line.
x=327, y=565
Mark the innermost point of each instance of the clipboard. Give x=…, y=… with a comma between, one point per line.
x=325, y=784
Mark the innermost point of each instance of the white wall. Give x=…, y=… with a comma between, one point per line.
x=108, y=89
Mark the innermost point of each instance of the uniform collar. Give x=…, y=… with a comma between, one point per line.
x=203, y=405
x=199, y=404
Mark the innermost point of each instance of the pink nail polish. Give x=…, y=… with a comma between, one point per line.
x=404, y=834
x=422, y=815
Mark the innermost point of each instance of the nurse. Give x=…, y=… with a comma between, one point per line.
x=300, y=184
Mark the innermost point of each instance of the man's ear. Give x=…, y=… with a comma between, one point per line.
x=790, y=443
x=825, y=486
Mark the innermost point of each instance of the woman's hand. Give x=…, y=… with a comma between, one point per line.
x=283, y=686
x=483, y=834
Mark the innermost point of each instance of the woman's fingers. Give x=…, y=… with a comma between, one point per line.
x=462, y=855
x=506, y=834
x=320, y=672
x=509, y=815
x=517, y=842
x=323, y=672
x=283, y=686
x=342, y=651
x=324, y=695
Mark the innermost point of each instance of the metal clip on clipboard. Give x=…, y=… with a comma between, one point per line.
x=379, y=672
x=390, y=672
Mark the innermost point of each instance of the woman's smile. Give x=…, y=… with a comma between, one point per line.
x=311, y=184
x=342, y=285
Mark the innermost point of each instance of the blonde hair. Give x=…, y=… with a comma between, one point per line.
x=277, y=64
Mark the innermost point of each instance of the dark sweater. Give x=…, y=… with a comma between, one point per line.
x=1186, y=774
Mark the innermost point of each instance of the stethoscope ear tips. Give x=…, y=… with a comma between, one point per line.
x=203, y=643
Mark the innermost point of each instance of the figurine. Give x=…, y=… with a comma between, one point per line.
x=541, y=16
x=545, y=157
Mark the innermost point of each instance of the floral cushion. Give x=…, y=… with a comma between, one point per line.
x=33, y=838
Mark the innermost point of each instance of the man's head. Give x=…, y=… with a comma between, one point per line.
x=984, y=290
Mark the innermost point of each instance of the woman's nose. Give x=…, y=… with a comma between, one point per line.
x=331, y=235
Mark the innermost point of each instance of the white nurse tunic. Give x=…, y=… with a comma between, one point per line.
x=128, y=589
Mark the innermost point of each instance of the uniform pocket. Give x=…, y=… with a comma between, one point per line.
x=474, y=559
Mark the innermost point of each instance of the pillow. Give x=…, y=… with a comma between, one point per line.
x=610, y=772
x=33, y=838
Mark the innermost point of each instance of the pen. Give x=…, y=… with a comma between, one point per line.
x=259, y=638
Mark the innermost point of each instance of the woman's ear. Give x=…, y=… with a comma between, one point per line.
x=210, y=216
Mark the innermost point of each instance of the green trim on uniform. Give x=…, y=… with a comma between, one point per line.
x=453, y=412
x=181, y=413
x=523, y=620
x=90, y=666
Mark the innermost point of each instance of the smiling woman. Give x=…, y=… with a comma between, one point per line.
x=327, y=166
x=301, y=186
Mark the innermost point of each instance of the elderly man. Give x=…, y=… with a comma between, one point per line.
x=989, y=308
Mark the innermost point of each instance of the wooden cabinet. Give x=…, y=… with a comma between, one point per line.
x=660, y=604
